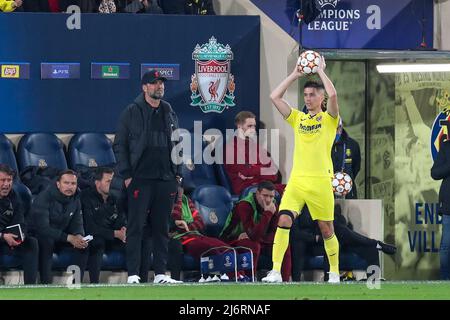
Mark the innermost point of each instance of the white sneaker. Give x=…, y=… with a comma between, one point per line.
x=202, y=280
x=133, y=279
x=162, y=278
x=272, y=277
x=333, y=277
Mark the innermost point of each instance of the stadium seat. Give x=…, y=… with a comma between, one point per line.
x=223, y=177
x=9, y=261
x=214, y=203
x=7, y=155
x=41, y=149
x=195, y=175
x=224, y=180
x=347, y=261
x=91, y=150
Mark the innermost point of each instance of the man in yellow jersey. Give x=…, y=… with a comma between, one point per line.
x=310, y=180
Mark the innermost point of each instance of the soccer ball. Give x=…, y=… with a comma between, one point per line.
x=308, y=62
x=342, y=184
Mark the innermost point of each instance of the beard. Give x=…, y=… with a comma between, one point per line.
x=157, y=95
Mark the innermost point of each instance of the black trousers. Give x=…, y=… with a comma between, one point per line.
x=28, y=254
x=97, y=248
x=349, y=242
x=47, y=247
x=150, y=202
x=352, y=242
x=175, y=260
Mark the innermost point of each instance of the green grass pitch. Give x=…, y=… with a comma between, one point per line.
x=230, y=291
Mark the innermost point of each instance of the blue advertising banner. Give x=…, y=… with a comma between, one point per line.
x=15, y=70
x=60, y=70
x=87, y=105
x=169, y=71
x=357, y=24
x=110, y=70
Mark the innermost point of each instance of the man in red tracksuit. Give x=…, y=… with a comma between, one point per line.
x=253, y=223
x=186, y=235
x=246, y=162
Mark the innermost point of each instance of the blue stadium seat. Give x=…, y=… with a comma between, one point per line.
x=41, y=149
x=347, y=261
x=7, y=155
x=189, y=263
x=91, y=150
x=214, y=203
x=114, y=260
x=224, y=180
x=195, y=175
x=223, y=177
x=8, y=262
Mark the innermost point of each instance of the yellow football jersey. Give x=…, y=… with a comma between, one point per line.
x=314, y=137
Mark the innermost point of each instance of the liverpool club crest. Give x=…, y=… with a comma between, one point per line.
x=212, y=84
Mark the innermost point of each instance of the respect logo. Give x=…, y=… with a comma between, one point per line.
x=10, y=71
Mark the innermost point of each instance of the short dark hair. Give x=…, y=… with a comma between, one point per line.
x=314, y=84
x=242, y=116
x=67, y=171
x=268, y=185
x=318, y=86
x=7, y=170
x=98, y=175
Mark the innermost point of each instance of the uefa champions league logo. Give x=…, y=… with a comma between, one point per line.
x=227, y=261
x=323, y=3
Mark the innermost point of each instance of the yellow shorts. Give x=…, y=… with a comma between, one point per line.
x=316, y=192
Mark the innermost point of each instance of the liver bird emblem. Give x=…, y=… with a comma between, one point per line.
x=213, y=86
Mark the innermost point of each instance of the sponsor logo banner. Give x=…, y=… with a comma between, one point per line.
x=60, y=70
x=110, y=70
x=169, y=71
x=15, y=70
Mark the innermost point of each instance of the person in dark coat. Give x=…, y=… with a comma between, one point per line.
x=441, y=171
x=346, y=156
x=104, y=219
x=12, y=213
x=57, y=221
x=143, y=146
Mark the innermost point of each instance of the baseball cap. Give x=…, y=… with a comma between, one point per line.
x=152, y=76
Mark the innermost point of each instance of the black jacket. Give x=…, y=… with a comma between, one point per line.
x=305, y=228
x=352, y=163
x=441, y=170
x=12, y=212
x=101, y=218
x=54, y=215
x=131, y=136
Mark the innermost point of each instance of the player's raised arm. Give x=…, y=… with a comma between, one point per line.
x=332, y=106
x=277, y=95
